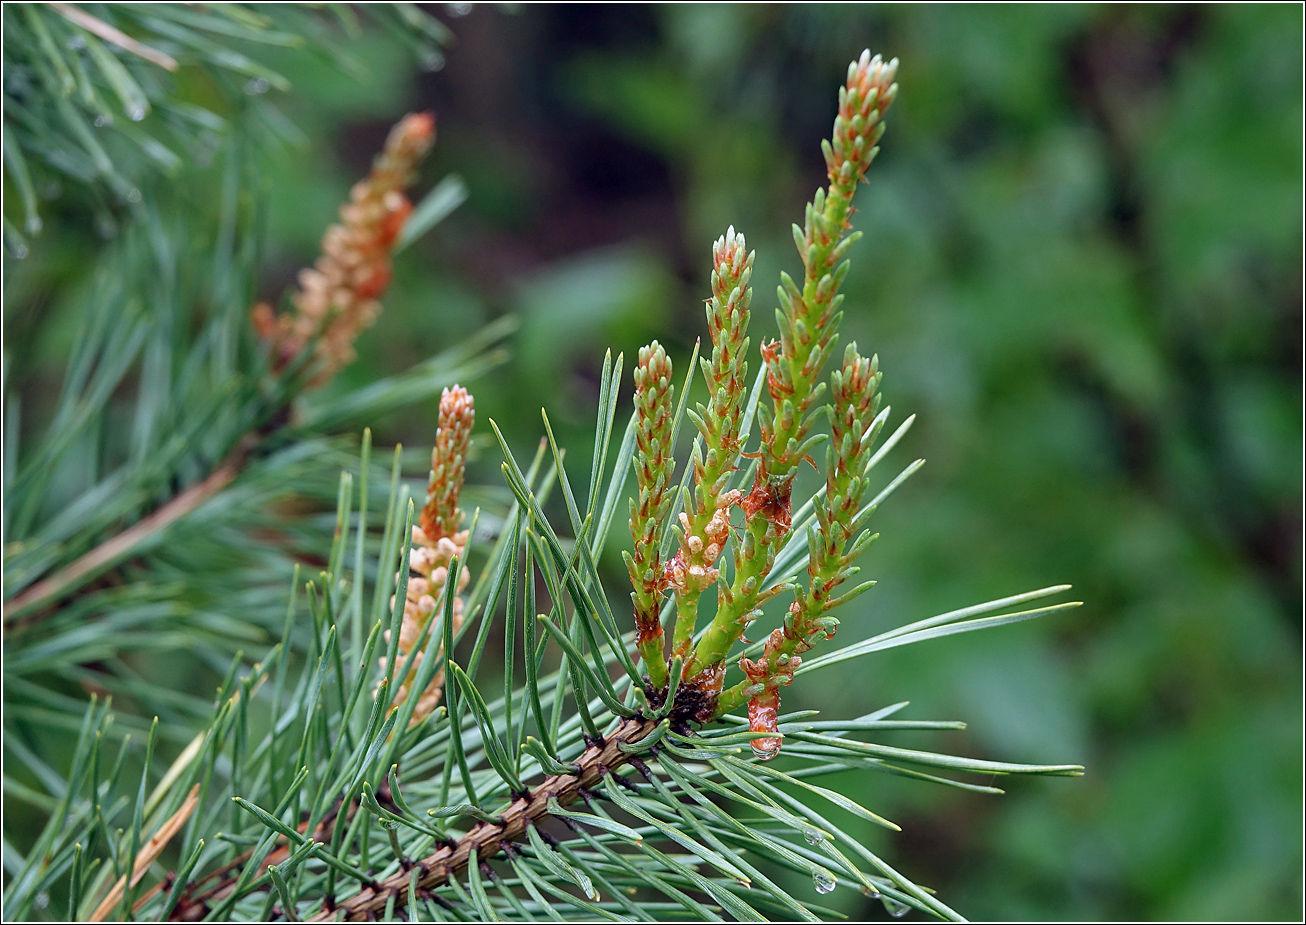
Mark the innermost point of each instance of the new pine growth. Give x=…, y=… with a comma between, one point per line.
x=655, y=465
x=706, y=526
x=808, y=322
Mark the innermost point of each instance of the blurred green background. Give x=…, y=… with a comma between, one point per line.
x=1081, y=269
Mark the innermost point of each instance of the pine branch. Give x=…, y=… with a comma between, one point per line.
x=307, y=345
x=96, y=94
x=297, y=763
x=488, y=839
x=119, y=547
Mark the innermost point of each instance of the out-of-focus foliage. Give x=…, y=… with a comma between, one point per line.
x=1081, y=269
x=81, y=81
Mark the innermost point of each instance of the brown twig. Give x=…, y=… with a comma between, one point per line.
x=148, y=854
x=123, y=544
x=116, y=36
x=487, y=838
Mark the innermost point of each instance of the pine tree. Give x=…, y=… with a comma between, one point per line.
x=365, y=765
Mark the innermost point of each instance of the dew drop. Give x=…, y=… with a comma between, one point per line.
x=813, y=836
x=18, y=249
x=763, y=753
x=33, y=224
x=256, y=86
x=137, y=113
x=823, y=881
x=432, y=61
x=42, y=900
x=101, y=121
x=458, y=9
x=894, y=908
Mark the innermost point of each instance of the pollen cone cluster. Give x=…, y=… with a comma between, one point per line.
x=437, y=540
x=339, y=295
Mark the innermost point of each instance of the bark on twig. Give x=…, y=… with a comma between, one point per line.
x=487, y=838
x=122, y=545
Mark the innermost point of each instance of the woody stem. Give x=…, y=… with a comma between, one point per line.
x=488, y=838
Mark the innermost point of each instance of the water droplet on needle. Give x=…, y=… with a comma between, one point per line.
x=893, y=907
